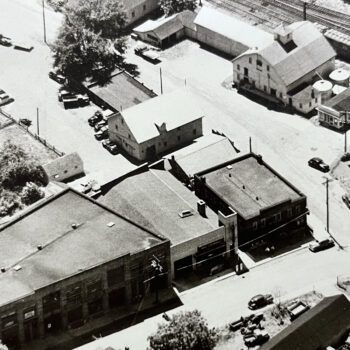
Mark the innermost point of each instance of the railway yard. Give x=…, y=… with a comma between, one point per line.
x=270, y=13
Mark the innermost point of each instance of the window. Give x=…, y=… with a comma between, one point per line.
x=165, y=144
x=73, y=295
x=179, y=138
x=144, y=7
x=9, y=320
x=122, y=121
x=115, y=276
x=95, y=306
x=238, y=67
x=133, y=14
x=194, y=131
x=289, y=212
x=268, y=68
x=129, y=136
x=116, y=297
x=52, y=302
x=300, y=105
x=278, y=217
x=265, y=88
x=255, y=225
x=259, y=63
x=116, y=126
x=29, y=313
x=297, y=209
x=94, y=289
x=310, y=104
x=250, y=60
x=263, y=222
x=75, y=314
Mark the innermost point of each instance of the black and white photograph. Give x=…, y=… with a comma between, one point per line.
x=174, y=175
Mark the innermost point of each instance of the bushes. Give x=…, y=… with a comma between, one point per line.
x=184, y=330
x=20, y=179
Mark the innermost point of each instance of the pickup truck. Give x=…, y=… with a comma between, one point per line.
x=147, y=53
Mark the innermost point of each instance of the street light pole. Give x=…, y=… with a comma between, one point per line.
x=327, y=203
x=44, y=21
x=37, y=120
x=161, y=80
x=345, y=142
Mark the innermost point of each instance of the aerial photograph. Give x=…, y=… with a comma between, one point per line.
x=174, y=174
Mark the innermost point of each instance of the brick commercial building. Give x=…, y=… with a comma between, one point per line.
x=286, y=69
x=200, y=239
x=68, y=261
x=265, y=202
x=158, y=125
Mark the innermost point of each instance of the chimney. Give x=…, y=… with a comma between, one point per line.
x=259, y=159
x=201, y=208
x=304, y=7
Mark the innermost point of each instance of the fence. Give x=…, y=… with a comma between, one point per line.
x=34, y=135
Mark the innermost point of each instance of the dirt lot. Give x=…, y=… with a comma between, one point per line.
x=13, y=132
x=272, y=325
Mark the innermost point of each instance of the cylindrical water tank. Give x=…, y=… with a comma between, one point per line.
x=323, y=88
x=340, y=77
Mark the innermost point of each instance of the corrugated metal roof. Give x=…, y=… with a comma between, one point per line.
x=232, y=28
x=311, y=52
x=174, y=110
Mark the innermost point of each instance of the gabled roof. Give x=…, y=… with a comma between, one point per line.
x=232, y=28
x=312, y=51
x=317, y=328
x=170, y=110
x=99, y=235
x=165, y=26
x=206, y=152
x=63, y=168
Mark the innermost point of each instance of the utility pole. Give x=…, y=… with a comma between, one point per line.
x=44, y=21
x=37, y=120
x=250, y=144
x=304, y=7
x=161, y=80
x=327, y=203
x=345, y=142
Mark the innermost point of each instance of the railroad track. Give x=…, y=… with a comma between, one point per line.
x=263, y=10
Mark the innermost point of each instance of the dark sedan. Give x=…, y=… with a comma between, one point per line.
x=318, y=164
x=259, y=301
x=322, y=245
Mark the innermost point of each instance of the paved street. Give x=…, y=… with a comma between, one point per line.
x=225, y=299
x=24, y=75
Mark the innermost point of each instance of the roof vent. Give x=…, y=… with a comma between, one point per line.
x=74, y=226
x=257, y=198
x=185, y=213
x=243, y=187
x=17, y=267
x=110, y=224
x=229, y=167
x=3, y=269
x=229, y=175
x=40, y=247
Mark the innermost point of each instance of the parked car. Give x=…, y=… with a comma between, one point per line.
x=257, y=338
x=346, y=199
x=322, y=245
x=59, y=78
x=318, y=164
x=97, y=117
x=102, y=134
x=5, y=98
x=98, y=126
x=25, y=121
x=74, y=100
x=63, y=92
x=296, y=309
x=147, y=53
x=23, y=46
x=5, y=41
x=110, y=146
x=345, y=157
x=259, y=301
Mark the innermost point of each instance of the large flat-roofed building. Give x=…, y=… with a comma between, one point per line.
x=335, y=112
x=157, y=200
x=285, y=68
x=120, y=92
x=158, y=125
x=265, y=202
x=68, y=261
x=228, y=34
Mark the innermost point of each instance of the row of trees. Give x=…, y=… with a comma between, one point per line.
x=90, y=43
x=21, y=179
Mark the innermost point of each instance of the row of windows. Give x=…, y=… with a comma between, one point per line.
x=259, y=64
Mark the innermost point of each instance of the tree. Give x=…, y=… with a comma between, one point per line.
x=170, y=7
x=90, y=43
x=31, y=193
x=184, y=330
